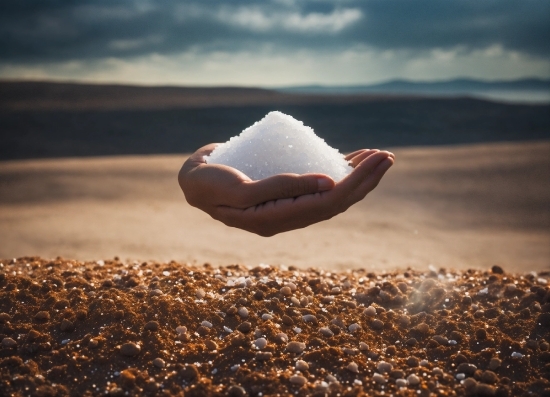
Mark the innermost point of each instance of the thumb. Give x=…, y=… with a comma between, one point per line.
x=284, y=186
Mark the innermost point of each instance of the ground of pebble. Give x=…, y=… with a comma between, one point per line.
x=70, y=328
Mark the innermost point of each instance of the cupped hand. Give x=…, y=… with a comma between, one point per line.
x=282, y=202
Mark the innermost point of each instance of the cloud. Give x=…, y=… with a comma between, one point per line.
x=37, y=31
x=36, y=36
x=257, y=20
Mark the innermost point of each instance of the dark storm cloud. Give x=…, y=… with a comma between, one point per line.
x=38, y=31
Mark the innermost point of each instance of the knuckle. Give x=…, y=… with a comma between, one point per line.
x=296, y=187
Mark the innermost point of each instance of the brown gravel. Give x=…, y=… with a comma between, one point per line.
x=117, y=328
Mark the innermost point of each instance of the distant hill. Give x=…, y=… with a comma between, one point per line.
x=41, y=120
x=521, y=90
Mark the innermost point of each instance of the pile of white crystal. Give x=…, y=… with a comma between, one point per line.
x=278, y=144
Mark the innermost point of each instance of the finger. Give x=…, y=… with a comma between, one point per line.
x=281, y=187
x=361, y=172
x=354, y=162
x=353, y=154
x=371, y=182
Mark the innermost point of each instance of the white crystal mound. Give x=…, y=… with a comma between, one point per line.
x=279, y=144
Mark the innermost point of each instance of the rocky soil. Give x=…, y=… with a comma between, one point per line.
x=70, y=328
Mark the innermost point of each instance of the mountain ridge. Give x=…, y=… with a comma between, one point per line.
x=458, y=85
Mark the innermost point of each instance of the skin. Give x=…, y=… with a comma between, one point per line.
x=282, y=202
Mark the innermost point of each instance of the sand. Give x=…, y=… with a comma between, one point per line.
x=69, y=328
x=456, y=207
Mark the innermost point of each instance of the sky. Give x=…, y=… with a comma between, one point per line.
x=273, y=43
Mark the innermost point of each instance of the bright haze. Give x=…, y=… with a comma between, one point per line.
x=273, y=43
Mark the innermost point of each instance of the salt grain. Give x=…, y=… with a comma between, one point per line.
x=280, y=144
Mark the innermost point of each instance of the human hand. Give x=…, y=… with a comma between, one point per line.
x=282, y=202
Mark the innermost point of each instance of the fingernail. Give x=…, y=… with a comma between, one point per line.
x=324, y=184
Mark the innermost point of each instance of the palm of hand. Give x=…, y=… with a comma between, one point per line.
x=280, y=203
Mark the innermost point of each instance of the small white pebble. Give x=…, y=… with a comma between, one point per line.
x=350, y=351
x=181, y=329
x=227, y=329
x=353, y=367
x=291, y=285
x=326, y=332
x=483, y=291
x=295, y=347
x=286, y=291
x=413, y=380
x=267, y=316
x=378, y=378
x=206, y=324
x=260, y=343
x=357, y=382
x=295, y=301
x=517, y=355
x=301, y=365
x=452, y=342
x=309, y=318
x=243, y=312
x=460, y=376
x=354, y=327
x=298, y=380
x=297, y=330
x=331, y=379
x=401, y=382
x=370, y=311
x=424, y=363
x=235, y=367
x=384, y=367
x=281, y=337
